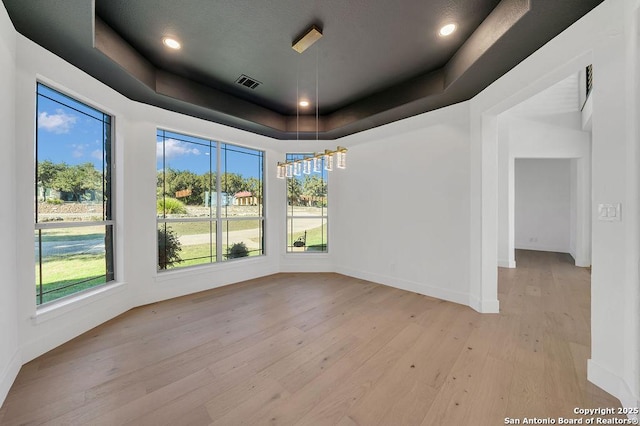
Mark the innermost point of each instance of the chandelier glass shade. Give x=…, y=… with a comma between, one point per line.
x=337, y=158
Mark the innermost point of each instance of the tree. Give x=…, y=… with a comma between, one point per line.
x=160, y=183
x=78, y=179
x=169, y=247
x=165, y=180
x=294, y=191
x=315, y=189
x=232, y=183
x=254, y=185
x=314, y=186
x=47, y=173
x=187, y=180
x=170, y=181
x=208, y=181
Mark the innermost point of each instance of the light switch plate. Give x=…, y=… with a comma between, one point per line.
x=609, y=212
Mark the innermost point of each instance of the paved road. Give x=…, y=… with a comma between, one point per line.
x=55, y=248
x=96, y=246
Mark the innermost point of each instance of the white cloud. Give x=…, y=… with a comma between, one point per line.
x=174, y=148
x=56, y=123
x=97, y=154
x=78, y=150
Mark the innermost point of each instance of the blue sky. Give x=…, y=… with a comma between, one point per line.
x=65, y=134
x=71, y=132
x=184, y=152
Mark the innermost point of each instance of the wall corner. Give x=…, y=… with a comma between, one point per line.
x=9, y=375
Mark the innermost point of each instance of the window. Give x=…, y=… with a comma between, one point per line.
x=307, y=208
x=73, y=199
x=209, y=201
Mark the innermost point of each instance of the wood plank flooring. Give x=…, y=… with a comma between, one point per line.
x=324, y=349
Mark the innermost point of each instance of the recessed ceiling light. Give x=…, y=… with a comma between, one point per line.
x=304, y=103
x=447, y=30
x=171, y=43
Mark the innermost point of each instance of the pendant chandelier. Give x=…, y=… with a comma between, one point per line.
x=337, y=157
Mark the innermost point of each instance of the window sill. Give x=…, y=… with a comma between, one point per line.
x=63, y=306
x=205, y=269
x=306, y=253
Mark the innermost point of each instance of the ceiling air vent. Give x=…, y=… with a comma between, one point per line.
x=248, y=81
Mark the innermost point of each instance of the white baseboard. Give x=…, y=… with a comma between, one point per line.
x=302, y=269
x=504, y=263
x=416, y=287
x=9, y=375
x=484, y=306
x=306, y=262
x=541, y=248
x=579, y=261
x=615, y=385
x=582, y=263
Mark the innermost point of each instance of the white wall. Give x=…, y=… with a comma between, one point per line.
x=403, y=205
x=632, y=102
x=557, y=136
x=608, y=38
x=10, y=360
x=573, y=207
x=613, y=364
x=543, y=204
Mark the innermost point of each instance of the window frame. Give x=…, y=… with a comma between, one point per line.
x=216, y=221
x=109, y=213
x=324, y=217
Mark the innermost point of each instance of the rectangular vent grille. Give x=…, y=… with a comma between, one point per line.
x=248, y=81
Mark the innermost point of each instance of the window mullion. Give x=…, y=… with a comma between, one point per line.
x=218, y=204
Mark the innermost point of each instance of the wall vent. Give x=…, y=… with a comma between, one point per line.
x=247, y=81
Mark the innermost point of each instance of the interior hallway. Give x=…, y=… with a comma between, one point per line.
x=326, y=349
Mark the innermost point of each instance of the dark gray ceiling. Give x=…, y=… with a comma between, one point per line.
x=377, y=62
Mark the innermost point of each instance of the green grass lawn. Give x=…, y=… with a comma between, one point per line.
x=196, y=254
x=316, y=238
x=88, y=270
x=194, y=228
x=199, y=254
x=67, y=274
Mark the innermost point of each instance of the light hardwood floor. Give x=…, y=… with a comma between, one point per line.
x=316, y=349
